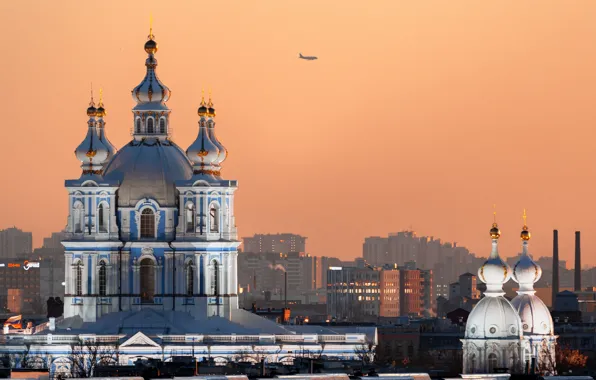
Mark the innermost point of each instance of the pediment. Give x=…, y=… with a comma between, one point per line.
x=139, y=340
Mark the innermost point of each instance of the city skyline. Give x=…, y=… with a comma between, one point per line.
x=464, y=120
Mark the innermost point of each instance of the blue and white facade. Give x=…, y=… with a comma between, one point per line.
x=150, y=225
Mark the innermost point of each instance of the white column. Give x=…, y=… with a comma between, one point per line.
x=234, y=272
x=113, y=227
x=158, y=272
x=197, y=261
x=94, y=290
x=69, y=288
x=168, y=276
x=85, y=273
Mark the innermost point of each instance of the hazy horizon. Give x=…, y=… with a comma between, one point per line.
x=416, y=115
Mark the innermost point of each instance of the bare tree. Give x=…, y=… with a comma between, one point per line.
x=366, y=351
x=86, y=356
x=564, y=360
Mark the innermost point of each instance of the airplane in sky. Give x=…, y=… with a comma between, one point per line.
x=308, y=58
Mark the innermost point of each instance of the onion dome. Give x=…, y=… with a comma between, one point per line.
x=203, y=110
x=91, y=111
x=202, y=152
x=535, y=316
x=92, y=152
x=151, y=89
x=210, y=109
x=101, y=131
x=526, y=272
x=494, y=272
x=223, y=152
x=494, y=317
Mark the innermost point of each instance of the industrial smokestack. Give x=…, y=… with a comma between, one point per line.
x=286, y=289
x=555, y=267
x=578, y=263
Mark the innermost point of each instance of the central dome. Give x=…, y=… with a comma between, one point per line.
x=493, y=317
x=534, y=314
x=148, y=169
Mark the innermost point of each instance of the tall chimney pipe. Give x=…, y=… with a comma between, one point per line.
x=578, y=263
x=286, y=289
x=555, y=267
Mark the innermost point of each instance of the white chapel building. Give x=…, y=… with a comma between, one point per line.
x=509, y=335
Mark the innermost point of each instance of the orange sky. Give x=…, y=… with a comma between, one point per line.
x=417, y=113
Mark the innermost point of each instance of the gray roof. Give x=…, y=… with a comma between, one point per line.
x=148, y=169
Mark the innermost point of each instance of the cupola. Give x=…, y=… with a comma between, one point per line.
x=92, y=152
x=223, y=153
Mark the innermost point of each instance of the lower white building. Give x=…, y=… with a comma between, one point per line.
x=503, y=335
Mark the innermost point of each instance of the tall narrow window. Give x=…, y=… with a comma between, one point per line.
x=147, y=280
x=472, y=366
x=79, y=279
x=215, y=278
x=492, y=362
x=78, y=216
x=162, y=125
x=190, y=279
x=147, y=224
x=138, y=126
x=190, y=218
x=214, y=219
x=103, y=220
x=150, y=128
x=102, y=279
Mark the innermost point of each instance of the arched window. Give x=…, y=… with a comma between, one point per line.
x=162, y=125
x=147, y=224
x=78, y=217
x=147, y=280
x=214, y=278
x=492, y=362
x=150, y=128
x=214, y=218
x=190, y=279
x=190, y=218
x=102, y=218
x=138, y=125
x=472, y=364
x=79, y=279
x=102, y=279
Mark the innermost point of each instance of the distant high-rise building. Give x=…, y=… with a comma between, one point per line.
x=54, y=241
x=275, y=243
x=15, y=243
x=405, y=248
x=361, y=294
x=353, y=294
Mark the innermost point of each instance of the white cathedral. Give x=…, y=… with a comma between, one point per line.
x=151, y=226
x=151, y=252
x=516, y=335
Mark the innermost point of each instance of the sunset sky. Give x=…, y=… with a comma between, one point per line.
x=418, y=114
